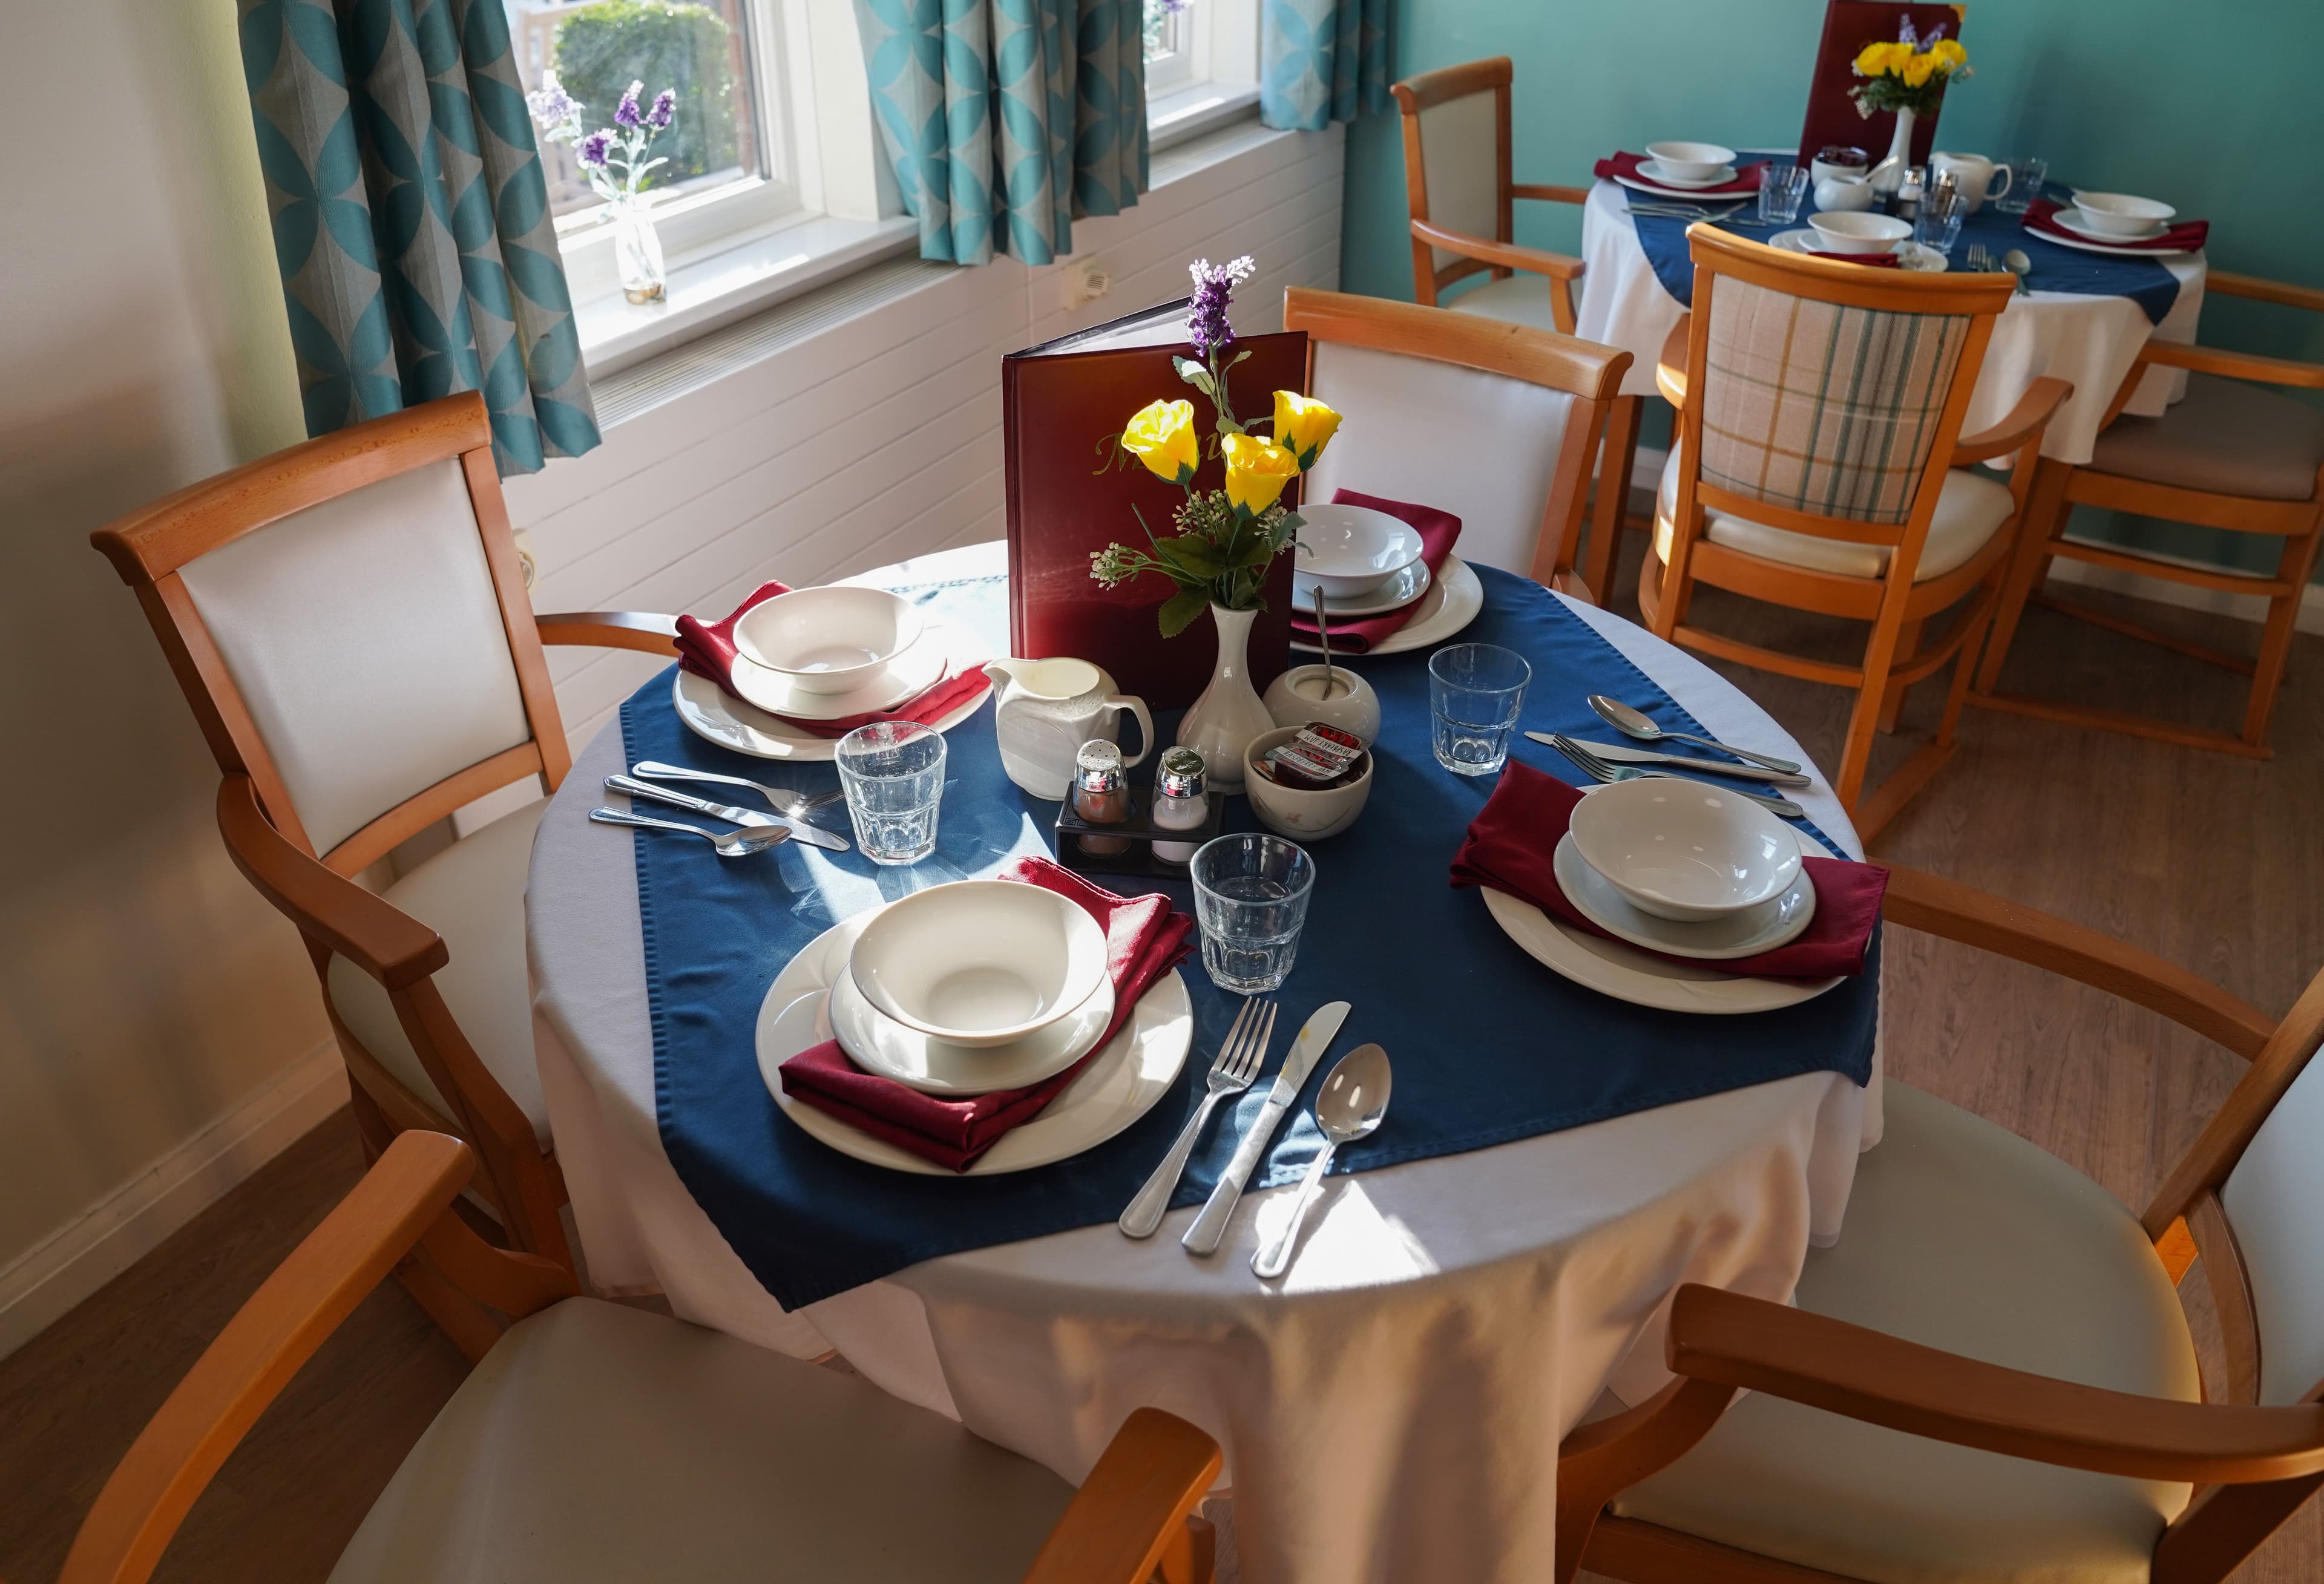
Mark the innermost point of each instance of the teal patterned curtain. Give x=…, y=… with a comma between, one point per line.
x=1321, y=61
x=411, y=220
x=1004, y=120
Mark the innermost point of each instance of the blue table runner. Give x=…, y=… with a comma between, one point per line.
x=1490, y=1045
x=2055, y=268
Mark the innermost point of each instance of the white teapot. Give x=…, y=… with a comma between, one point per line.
x=1841, y=194
x=1044, y=710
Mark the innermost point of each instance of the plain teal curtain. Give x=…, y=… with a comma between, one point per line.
x=1321, y=61
x=411, y=220
x=1005, y=120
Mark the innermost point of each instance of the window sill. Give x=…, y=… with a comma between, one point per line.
x=714, y=287
x=1189, y=113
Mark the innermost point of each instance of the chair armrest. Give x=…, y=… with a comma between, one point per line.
x=1884, y=1380
x=2234, y=365
x=380, y=938
x=331, y=1271
x=648, y=632
x=1549, y=195
x=1134, y=1504
x=1506, y=255
x=1670, y=366
x=2021, y=428
x=1935, y=906
x=2264, y=290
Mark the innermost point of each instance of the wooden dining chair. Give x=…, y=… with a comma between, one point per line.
x=348, y=620
x=1819, y=464
x=1458, y=184
x=1989, y=1377
x=595, y=1441
x=2233, y=455
x=1493, y=421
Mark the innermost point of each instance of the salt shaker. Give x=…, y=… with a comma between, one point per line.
x=1101, y=794
x=1180, y=802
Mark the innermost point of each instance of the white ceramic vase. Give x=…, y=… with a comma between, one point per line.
x=1220, y=724
x=1889, y=174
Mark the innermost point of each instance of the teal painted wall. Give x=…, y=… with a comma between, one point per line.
x=2178, y=99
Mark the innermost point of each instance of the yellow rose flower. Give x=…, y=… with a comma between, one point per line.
x=1919, y=69
x=1257, y=471
x=1950, y=56
x=1873, y=59
x=1303, y=427
x=1162, y=436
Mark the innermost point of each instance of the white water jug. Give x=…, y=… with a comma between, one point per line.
x=1044, y=710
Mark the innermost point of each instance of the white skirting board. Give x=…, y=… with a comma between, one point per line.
x=41, y=1285
x=2250, y=608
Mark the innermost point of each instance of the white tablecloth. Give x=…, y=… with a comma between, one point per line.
x=2090, y=341
x=1392, y=1409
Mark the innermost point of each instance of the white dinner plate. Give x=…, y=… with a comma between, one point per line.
x=881, y=1044
x=1397, y=593
x=1742, y=934
x=1915, y=255
x=1628, y=974
x=1451, y=604
x=709, y=714
x=1693, y=195
x=1653, y=171
x=2113, y=252
x=1121, y=1084
x=916, y=668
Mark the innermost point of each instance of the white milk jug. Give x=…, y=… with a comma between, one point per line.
x=1044, y=710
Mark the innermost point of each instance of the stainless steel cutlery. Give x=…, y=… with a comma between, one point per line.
x=814, y=835
x=1623, y=753
x=1598, y=769
x=1349, y=1106
x=1323, y=1026
x=1239, y=1058
x=739, y=844
x=781, y=799
x=1632, y=723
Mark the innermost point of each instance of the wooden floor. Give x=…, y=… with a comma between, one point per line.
x=2216, y=863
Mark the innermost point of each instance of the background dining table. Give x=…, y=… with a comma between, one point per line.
x=2088, y=339
x=1392, y=1408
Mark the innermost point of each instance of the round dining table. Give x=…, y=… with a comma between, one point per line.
x=2088, y=339
x=1391, y=1409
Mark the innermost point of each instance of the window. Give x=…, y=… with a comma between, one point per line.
x=1169, y=46
x=1202, y=64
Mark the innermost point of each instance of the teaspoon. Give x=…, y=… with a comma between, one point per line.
x=739, y=844
x=1630, y=722
x=1351, y=1104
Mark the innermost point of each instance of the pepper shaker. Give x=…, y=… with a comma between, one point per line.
x=1181, y=802
x=1101, y=794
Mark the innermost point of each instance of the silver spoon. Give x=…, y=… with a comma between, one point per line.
x=739, y=844
x=2015, y=261
x=1630, y=722
x=1351, y=1105
x=1324, y=642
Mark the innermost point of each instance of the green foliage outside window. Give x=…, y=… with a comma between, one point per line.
x=602, y=49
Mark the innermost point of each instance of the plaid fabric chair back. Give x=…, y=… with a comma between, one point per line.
x=1820, y=407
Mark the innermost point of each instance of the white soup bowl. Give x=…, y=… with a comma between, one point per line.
x=2118, y=214
x=1347, y=551
x=1683, y=851
x=979, y=963
x=1690, y=162
x=829, y=640
x=1303, y=814
x=1847, y=231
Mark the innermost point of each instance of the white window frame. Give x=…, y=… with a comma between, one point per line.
x=1209, y=77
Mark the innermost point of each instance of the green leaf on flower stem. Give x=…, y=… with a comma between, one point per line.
x=1187, y=368
x=1178, y=612
x=1189, y=556
x=1238, y=357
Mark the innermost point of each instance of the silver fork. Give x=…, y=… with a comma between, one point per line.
x=782, y=799
x=1980, y=261
x=1598, y=769
x=1239, y=1061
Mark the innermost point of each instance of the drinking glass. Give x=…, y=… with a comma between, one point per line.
x=1475, y=691
x=2027, y=172
x=1782, y=190
x=1250, y=898
x=893, y=772
x=1939, y=222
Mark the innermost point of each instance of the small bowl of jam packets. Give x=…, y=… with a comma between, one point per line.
x=1308, y=782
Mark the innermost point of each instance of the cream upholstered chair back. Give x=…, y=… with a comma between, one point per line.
x=1464, y=149
x=350, y=622
x=2274, y=1201
x=1494, y=422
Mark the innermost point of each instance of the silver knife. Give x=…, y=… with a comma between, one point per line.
x=813, y=835
x=1315, y=1035
x=1631, y=754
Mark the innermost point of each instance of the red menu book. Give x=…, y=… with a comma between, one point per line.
x=1848, y=27
x=1061, y=405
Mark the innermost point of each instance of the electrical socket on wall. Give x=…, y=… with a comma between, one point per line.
x=1086, y=280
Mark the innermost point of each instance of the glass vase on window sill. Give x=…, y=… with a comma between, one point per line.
x=637, y=250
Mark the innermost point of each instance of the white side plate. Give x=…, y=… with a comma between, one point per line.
x=1753, y=930
x=1451, y=604
x=1397, y=593
x=730, y=722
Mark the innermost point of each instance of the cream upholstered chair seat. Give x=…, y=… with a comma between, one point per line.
x=1964, y=1236
x=600, y=1443
x=1970, y=510
x=2225, y=438
x=1522, y=298
x=472, y=893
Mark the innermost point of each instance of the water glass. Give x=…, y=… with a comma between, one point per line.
x=1939, y=222
x=893, y=772
x=1782, y=190
x=2026, y=174
x=1250, y=898
x=1475, y=691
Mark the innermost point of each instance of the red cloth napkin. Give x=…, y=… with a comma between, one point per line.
x=1746, y=178
x=1144, y=938
x=1438, y=530
x=707, y=649
x=2183, y=237
x=1879, y=260
x=1511, y=841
